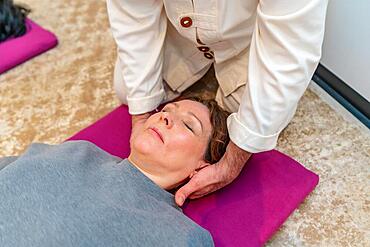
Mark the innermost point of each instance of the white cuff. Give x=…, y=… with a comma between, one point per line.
x=145, y=104
x=248, y=140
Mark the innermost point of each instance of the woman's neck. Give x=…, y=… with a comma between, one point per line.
x=156, y=176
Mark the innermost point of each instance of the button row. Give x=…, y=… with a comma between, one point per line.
x=188, y=22
x=207, y=53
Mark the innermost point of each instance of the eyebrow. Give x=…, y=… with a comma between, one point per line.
x=177, y=106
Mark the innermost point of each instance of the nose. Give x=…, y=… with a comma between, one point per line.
x=167, y=119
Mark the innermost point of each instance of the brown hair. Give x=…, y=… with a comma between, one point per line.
x=219, y=138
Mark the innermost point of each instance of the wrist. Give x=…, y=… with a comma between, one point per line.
x=233, y=161
x=140, y=117
x=235, y=154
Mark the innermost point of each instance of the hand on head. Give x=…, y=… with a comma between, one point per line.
x=214, y=177
x=181, y=142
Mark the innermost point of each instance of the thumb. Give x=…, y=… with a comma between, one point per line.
x=184, y=192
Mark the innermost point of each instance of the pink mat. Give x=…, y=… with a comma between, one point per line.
x=35, y=41
x=245, y=213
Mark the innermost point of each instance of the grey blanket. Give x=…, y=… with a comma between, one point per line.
x=75, y=194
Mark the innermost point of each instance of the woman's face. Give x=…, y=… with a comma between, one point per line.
x=175, y=139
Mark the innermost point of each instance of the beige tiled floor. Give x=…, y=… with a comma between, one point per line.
x=52, y=96
x=337, y=107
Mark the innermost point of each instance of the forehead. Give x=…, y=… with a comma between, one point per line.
x=200, y=110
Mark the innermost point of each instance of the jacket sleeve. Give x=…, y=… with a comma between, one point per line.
x=284, y=53
x=139, y=29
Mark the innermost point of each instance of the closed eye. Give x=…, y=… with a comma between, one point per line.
x=187, y=126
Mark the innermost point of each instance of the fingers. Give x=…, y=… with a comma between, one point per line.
x=201, y=183
x=186, y=190
x=183, y=193
x=194, y=190
x=204, y=191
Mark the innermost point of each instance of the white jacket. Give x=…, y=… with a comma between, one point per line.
x=161, y=39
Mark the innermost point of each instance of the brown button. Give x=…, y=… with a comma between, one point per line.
x=186, y=21
x=208, y=55
x=203, y=48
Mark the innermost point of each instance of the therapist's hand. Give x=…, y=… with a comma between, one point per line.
x=138, y=121
x=141, y=118
x=216, y=176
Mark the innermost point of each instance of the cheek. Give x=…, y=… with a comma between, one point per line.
x=183, y=155
x=181, y=140
x=186, y=145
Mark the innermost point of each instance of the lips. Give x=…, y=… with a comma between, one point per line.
x=157, y=132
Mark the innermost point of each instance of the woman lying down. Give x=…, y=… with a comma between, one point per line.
x=75, y=194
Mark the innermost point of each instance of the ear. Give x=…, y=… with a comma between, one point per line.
x=200, y=166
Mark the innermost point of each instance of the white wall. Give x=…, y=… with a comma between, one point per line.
x=346, y=49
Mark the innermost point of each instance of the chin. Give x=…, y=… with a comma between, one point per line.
x=143, y=146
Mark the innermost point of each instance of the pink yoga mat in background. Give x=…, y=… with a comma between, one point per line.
x=35, y=41
x=245, y=213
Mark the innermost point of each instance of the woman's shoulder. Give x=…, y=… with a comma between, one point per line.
x=75, y=150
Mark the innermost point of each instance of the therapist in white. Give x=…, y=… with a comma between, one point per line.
x=264, y=53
